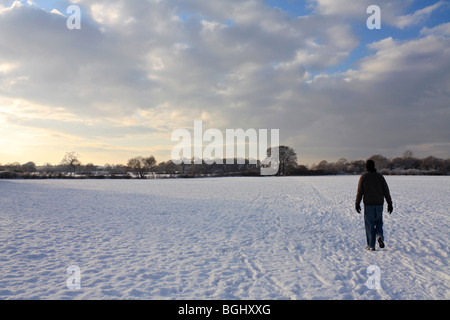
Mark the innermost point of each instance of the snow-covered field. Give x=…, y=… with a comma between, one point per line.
x=220, y=238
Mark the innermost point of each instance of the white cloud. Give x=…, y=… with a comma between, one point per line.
x=144, y=68
x=418, y=17
x=326, y=50
x=392, y=12
x=342, y=7
x=440, y=30
x=54, y=11
x=423, y=55
x=395, y=97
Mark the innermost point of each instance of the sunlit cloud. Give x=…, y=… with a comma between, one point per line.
x=137, y=70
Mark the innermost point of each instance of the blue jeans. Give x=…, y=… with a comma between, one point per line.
x=373, y=220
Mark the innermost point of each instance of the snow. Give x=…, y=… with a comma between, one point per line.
x=220, y=238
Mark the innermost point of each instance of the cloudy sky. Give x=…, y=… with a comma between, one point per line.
x=139, y=69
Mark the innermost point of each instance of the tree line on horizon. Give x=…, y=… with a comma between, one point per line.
x=147, y=167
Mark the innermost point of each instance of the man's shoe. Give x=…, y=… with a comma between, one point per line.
x=380, y=242
x=370, y=248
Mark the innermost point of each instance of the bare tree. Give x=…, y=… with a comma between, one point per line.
x=90, y=168
x=29, y=167
x=71, y=160
x=170, y=167
x=380, y=161
x=141, y=165
x=408, y=154
x=13, y=167
x=287, y=158
x=432, y=163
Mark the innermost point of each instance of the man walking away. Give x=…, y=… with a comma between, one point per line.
x=373, y=189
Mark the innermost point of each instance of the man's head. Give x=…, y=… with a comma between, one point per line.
x=370, y=165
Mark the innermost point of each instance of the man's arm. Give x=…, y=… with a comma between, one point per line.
x=387, y=195
x=359, y=194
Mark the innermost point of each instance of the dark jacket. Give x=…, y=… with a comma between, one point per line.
x=373, y=189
